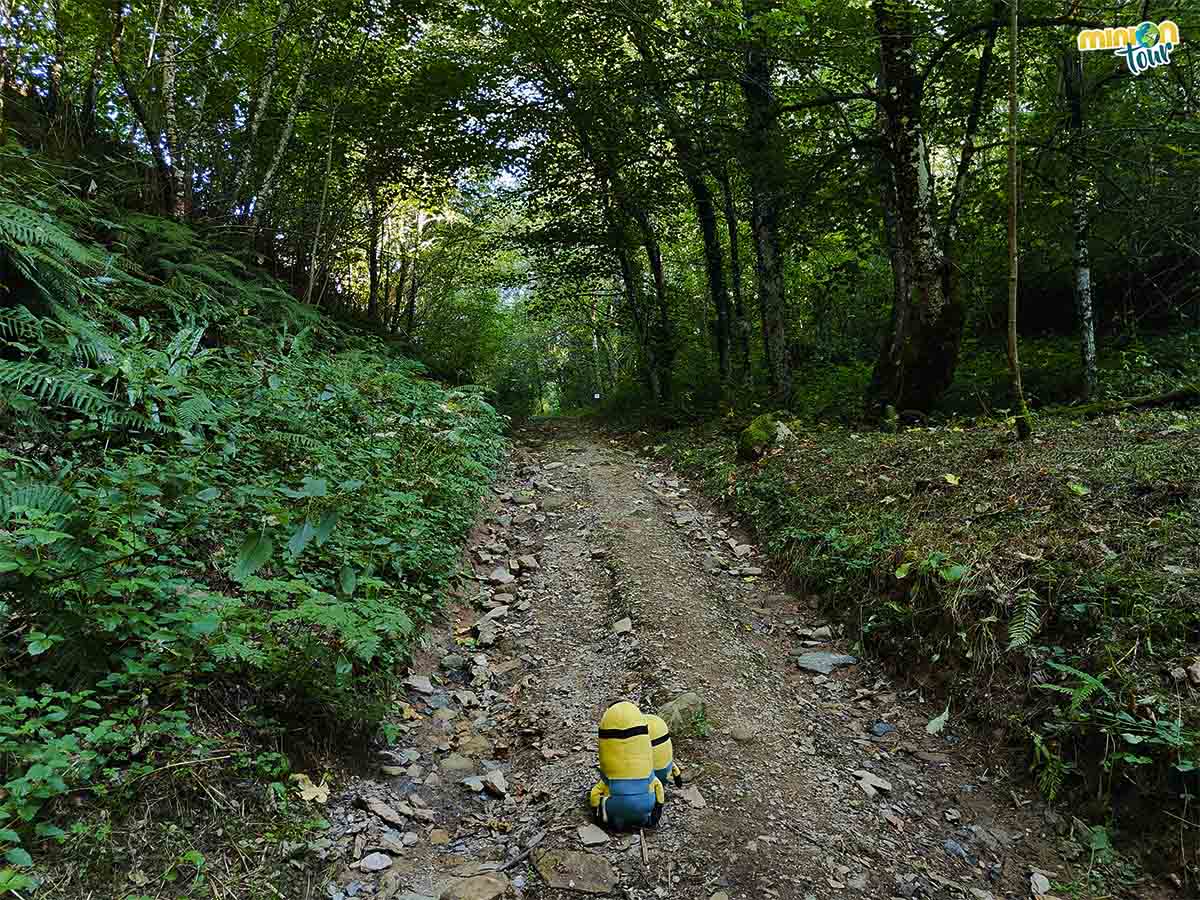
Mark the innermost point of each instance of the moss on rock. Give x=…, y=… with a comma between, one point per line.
x=757, y=436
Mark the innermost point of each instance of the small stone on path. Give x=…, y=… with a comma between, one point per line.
x=501, y=576
x=383, y=811
x=623, y=626
x=592, y=835
x=495, y=783
x=743, y=734
x=374, y=862
x=479, y=887
x=420, y=683
x=871, y=783
x=456, y=762
x=824, y=662
x=681, y=712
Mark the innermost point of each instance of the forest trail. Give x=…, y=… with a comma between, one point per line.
x=773, y=806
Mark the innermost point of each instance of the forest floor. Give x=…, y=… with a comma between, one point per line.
x=797, y=784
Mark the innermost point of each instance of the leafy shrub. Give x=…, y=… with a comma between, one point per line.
x=205, y=484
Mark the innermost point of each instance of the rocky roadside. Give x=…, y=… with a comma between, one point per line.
x=808, y=774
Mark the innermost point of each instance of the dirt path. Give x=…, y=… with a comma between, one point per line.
x=773, y=808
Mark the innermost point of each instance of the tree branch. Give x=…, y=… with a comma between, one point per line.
x=1031, y=22
x=831, y=100
x=968, y=148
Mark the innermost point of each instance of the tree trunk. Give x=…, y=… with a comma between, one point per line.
x=968, y=149
x=91, y=92
x=401, y=284
x=312, y=256
x=659, y=329
x=1024, y=429
x=714, y=264
x=54, y=95
x=6, y=29
x=917, y=360
x=1073, y=79
x=688, y=157
x=384, y=307
x=741, y=327
x=656, y=333
x=631, y=280
x=264, y=98
x=410, y=306
x=153, y=136
x=175, y=143
x=764, y=160
x=410, y=310
x=263, y=194
x=631, y=277
x=373, y=227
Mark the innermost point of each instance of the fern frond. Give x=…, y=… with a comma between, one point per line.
x=193, y=411
x=1025, y=624
x=1080, y=693
x=294, y=441
x=90, y=345
x=129, y=420
x=49, y=274
x=19, y=323
x=207, y=273
x=26, y=228
x=50, y=384
x=41, y=496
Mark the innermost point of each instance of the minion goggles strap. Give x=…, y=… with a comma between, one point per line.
x=620, y=734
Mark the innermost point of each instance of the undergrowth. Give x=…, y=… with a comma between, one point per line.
x=1048, y=589
x=212, y=497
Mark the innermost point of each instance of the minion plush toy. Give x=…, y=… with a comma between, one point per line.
x=628, y=794
x=664, y=754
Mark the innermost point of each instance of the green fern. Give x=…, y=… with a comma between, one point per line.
x=50, y=384
x=1085, y=688
x=293, y=441
x=54, y=278
x=19, y=324
x=89, y=345
x=129, y=420
x=1050, y=767
x=24, y=228
x=1025, y=624
x=194, y=411
x=44, y=497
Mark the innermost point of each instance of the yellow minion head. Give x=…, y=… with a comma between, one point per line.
x=625, y=743
x=660, y=743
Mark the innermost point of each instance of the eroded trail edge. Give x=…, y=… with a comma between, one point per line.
x=601, y=577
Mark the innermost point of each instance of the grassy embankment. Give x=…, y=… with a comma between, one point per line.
x=1047, y=590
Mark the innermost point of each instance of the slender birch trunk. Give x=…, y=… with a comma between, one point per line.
x=1024, y=427
x=264, y=98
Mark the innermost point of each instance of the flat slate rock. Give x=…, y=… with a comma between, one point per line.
x=592, y=835
x=824, y=662
x=573, y=870
x=477, y=887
